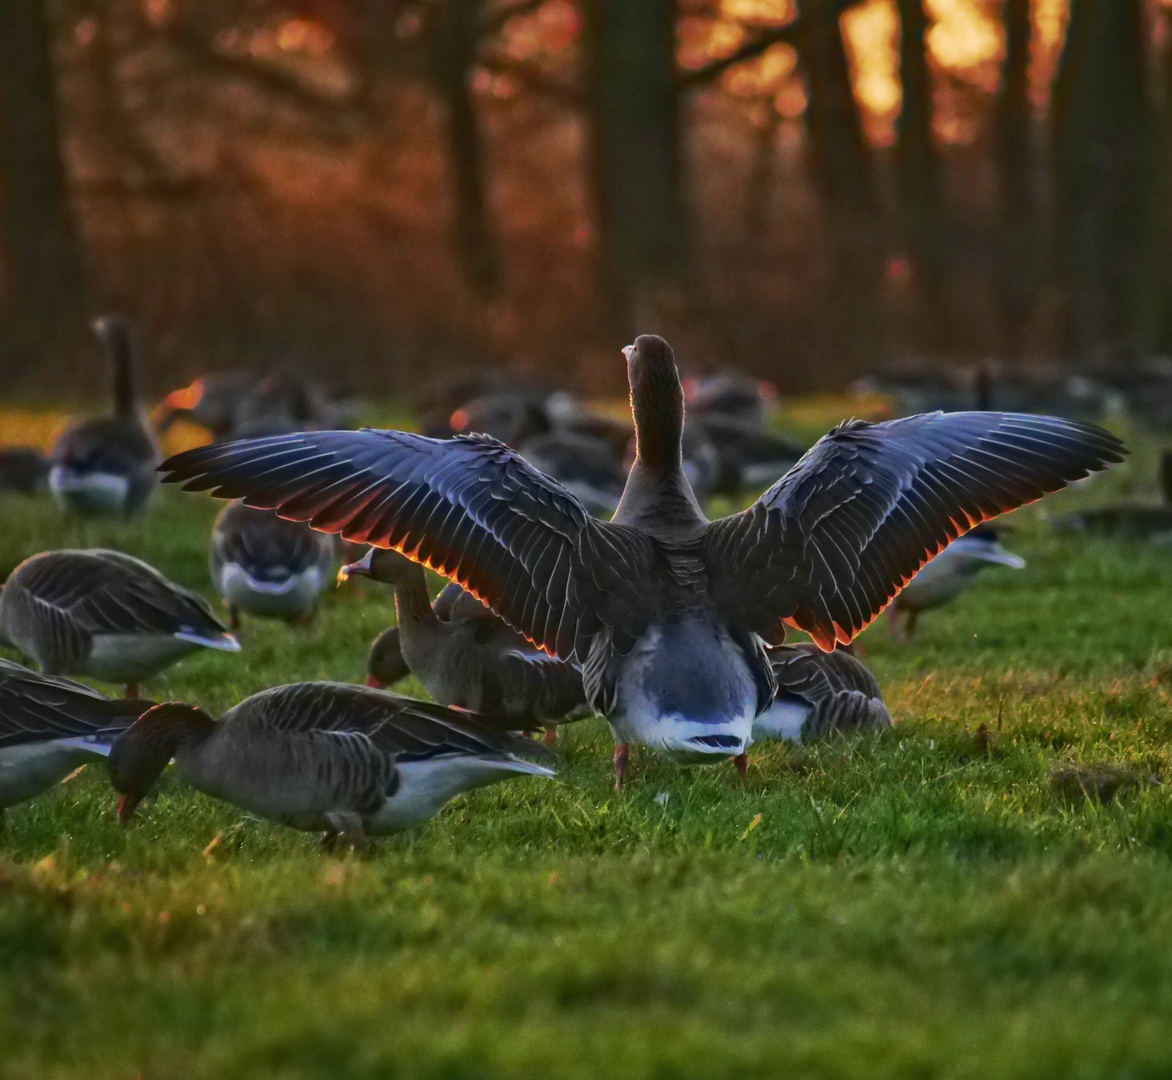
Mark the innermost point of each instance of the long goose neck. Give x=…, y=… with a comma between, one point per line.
x=658, y=409
x=413, y=606
x=658, y=498
x=119, y=346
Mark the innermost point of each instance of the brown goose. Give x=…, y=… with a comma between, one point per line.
x=49, y=727
x=104, y=614
x=211, y=401
x=324, y=756
x=106, y=466
x=667, y=613
x=1130, y=520
x=819, y=695
x=465, y=656
x=264, y=565
x=385, y=665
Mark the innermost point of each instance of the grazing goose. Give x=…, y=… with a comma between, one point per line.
x=23, y=469
x=819, y=695
x=510, y=416
x=210, y=401
x=1129, y=519
x=751, y=458
x=584, y=465
x=49, y=727
x=104, y=614
x=732, y=395
x=385, y=665
x=264, y=565
x=465, y=656
x=106, y=466
x=342, y=759
x=667, y=613
x=948, y=575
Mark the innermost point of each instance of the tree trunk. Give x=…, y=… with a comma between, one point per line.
x=637, y=170
x=921, y=205
x=454, y=53
x=1018, y=211
x=1103, y=161
x=44, y=278
x=843, y=173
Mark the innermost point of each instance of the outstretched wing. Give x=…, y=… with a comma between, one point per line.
x=469, y=507
x=832, y=543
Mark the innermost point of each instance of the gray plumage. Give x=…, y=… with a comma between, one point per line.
x=51, y=726
x=465, y=656
x=324, y=756
x=264, y=565
x=106, y=466
x=820, y=695
x=825, y=549
x=104, y=614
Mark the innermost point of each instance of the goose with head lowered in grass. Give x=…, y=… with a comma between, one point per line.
x=470, y=658
x=667, y=613
x=106, y=615
x=320, y=756
x=819, y=695
x=49, y=727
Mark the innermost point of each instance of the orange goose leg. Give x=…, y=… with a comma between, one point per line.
x=131, y=690
x=741, y=761
x=622, y=754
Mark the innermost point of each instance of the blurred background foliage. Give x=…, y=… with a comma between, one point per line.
x=379, y=190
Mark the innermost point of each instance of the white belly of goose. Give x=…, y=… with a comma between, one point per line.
x=427, y=785
x=289, y=595
x=91, y=493
x=686, y=690
x=133, y=657
x=783, y=720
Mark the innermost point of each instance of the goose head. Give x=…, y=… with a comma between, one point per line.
x=141, y=752
x=382, y=564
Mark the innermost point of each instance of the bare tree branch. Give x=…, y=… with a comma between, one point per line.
x=760, y=43
x=337, y=118
x=754, y=47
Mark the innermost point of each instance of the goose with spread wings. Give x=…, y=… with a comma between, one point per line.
x=667, y=613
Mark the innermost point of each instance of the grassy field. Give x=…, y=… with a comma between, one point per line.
x=983, y=892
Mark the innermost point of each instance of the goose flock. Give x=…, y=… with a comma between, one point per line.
x=584, y=578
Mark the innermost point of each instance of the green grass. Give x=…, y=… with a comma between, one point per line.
x=983, y=892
